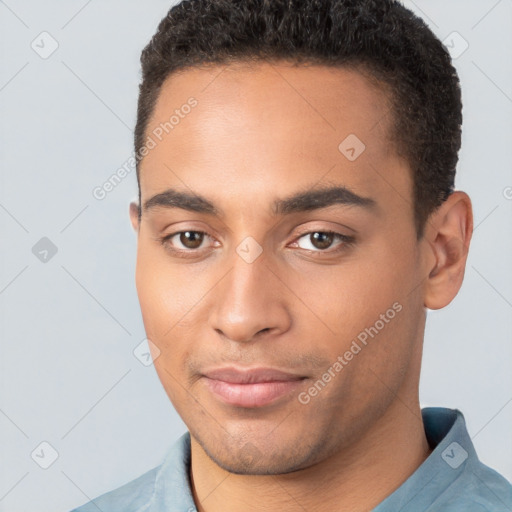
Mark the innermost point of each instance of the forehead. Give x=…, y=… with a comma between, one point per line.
x=266, y=125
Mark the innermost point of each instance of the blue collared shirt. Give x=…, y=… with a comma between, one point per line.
x=451, y=479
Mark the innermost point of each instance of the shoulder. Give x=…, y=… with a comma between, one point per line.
x=452, y=478
x=476, y=488
x=483, y=489
x=153, y=490
x=133, y=496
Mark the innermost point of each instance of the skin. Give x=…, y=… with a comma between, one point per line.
x=261, y=132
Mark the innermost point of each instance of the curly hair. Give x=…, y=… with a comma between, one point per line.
x=379, y=37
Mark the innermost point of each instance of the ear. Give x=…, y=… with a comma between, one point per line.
x=134, y=215
x=448, y=232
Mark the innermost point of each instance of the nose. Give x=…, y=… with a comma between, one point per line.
x=249, y=302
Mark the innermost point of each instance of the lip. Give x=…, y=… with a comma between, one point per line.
x=253, y=387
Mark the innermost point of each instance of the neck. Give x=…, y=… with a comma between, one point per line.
x=356, y=478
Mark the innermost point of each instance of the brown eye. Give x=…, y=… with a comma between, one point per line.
x=191, y=239
x=186, y=244
x=322, y=240
x=319, y=241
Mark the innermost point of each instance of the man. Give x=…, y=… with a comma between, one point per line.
x=296, y=217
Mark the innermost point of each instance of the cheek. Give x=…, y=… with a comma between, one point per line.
x=350, y=296
x=368, y=306
x=166, y=292
x=153, y=292
x=170, y=297
x=384, y=316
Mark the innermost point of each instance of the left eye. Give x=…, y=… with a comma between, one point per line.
x=321, y=240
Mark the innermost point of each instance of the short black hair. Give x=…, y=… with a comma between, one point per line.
x=382, y=38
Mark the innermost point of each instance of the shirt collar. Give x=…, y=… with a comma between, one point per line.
x=445, y=429
x=173, y=489
x=453, y=454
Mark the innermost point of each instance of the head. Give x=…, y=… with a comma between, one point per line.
x=295, y=163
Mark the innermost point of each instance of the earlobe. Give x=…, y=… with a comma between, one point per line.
x=134, y=215
x=449, y=231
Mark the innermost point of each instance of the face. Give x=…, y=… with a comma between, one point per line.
x=233, y=275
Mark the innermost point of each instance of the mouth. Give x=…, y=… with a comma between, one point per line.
x=255, y=387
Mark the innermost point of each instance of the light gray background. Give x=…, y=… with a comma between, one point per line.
x=68, y=375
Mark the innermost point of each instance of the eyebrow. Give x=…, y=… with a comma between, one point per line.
x=299, y=202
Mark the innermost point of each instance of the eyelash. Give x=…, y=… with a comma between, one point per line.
x=347, y=242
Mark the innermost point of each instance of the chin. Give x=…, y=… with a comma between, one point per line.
x=251, y=459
